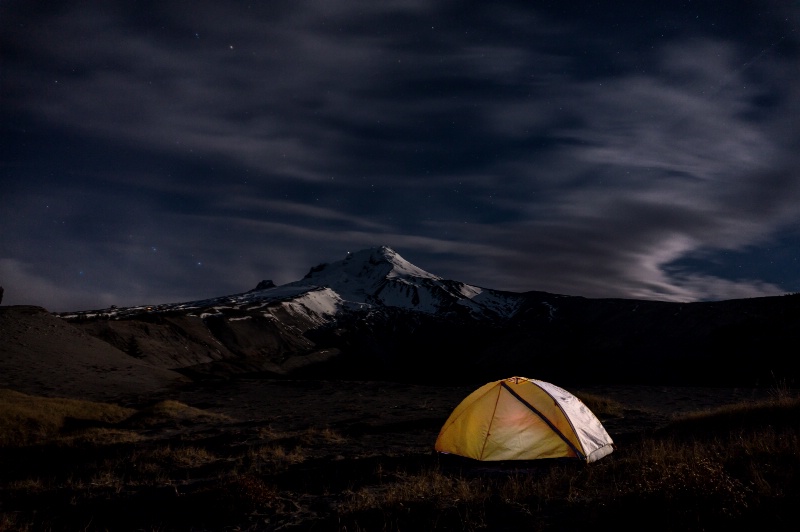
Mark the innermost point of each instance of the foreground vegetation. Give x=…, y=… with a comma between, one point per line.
x=76, y=465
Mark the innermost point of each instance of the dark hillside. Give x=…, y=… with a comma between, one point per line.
x=745, y=342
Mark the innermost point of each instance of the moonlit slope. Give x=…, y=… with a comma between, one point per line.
x=381, y=277
x=370, y=278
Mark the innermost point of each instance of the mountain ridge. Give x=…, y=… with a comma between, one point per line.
x=374, y=315
x=376, y=276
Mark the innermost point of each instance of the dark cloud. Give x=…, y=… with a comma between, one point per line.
x=161, y=151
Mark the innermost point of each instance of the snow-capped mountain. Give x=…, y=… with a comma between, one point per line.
x=368, y=279
x=381, y=277
x=352, y=303
x=373, y=314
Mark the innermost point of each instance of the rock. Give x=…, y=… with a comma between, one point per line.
x=265, y=284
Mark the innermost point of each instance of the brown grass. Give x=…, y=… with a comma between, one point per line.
x=429, y=486
x=172, y=412
x=32, y=420
x=315, y=435
x=600, y=405
x=727, y=468
x=744, y=469
x=27, y=420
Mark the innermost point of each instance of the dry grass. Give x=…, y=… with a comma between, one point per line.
x=33, y=420
x=750, y=413
x=171, y=412
x=732, y=467
x=429, y=486
x=27, y=420
x=273, y=457
x=600, y=405
x=746, y=468
x=281, y=449
x=315, y=435
x=10, y=522
x=169, y=457
x=95, y=436
x=308, y=436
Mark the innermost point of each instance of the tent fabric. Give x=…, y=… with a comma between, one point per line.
x=523, y=419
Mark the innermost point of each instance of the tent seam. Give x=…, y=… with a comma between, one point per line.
x=491, y=423
x=566, y=416
x=578, y=452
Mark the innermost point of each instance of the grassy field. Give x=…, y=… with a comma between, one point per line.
x=79, y=465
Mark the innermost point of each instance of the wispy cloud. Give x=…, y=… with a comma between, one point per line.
x=506, y=145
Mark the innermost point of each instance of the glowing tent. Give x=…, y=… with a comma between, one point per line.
x=523, y=419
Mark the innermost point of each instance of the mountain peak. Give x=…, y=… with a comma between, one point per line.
x=370, y=278
x=383, y=256
x=372, y=264
x=380, y=276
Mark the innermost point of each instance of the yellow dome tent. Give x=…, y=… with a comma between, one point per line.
x=523, y=419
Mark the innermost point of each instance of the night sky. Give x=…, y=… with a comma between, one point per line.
x=166, y=151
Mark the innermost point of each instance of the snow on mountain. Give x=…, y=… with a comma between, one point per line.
x=362, y=274
x=317, y=305
x=501, y=303
x=371, y=278
x=381, y=277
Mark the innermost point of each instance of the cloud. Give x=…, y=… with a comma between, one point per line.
x=22, y=286
x=511, y=147
x=653, y=170
x=310, y=214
